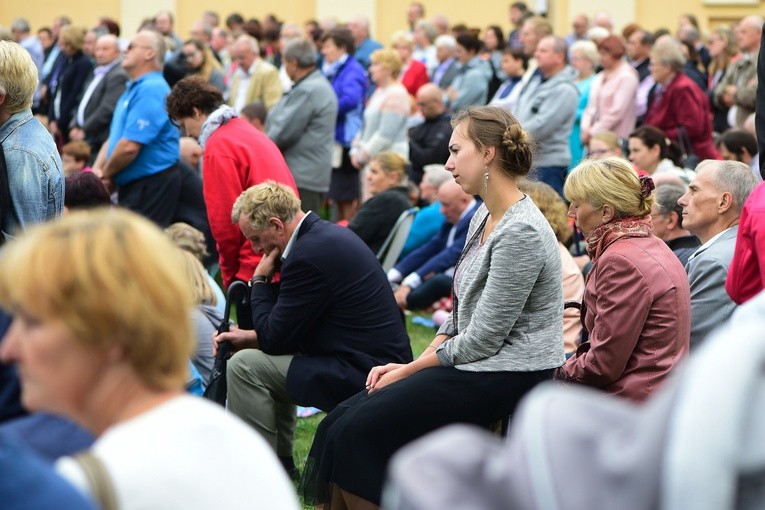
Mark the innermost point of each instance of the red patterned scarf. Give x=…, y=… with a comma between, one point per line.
x=603, y=236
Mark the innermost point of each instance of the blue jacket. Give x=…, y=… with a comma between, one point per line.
x=349, y=82
x=28, y=483
x=35, y=173
x=435, y=256
x=334, y=308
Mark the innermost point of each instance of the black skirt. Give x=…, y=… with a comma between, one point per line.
x=345, y=185
x=354, y=443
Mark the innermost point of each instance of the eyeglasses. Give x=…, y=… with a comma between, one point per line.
x=131, y=46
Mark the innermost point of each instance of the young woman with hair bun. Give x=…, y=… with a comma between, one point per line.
x=503, y=337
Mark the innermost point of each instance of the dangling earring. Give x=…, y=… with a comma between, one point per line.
x=486, y=179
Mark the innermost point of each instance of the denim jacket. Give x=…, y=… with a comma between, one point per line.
x=35, y=173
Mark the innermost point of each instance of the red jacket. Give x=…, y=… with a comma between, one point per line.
x=684, y=104
x=416, y=76
x=746, y=274
x=236, y=157
x=637, y=310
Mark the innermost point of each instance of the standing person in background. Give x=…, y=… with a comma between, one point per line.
x=584, y=59
x=254, y=79
x=680, y=108
x=514, y=65
x=302, y=124
x=518, y=12
x=141, y=155
x=386, y=113
x=413, y=73
x=68, y=91
x=738, y=86
x=201, y=61
x=364, y=44
x=429, y=142
x=448, y=66
x=348, y=79
x=102, y=90
x=236, y=157
x=639, y=44
x=547, y=109
x=722, y=50
x=611, y=104
x=471, y=85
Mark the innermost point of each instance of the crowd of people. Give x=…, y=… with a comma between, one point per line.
x=588, y=210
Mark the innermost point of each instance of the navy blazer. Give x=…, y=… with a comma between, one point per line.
x=334, y=309
x=434, y=256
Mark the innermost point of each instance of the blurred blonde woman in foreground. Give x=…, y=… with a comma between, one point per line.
x=101, y=334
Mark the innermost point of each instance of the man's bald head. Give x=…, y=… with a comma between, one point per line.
x=430, y=101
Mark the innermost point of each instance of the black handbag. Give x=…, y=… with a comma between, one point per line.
x=238, y=292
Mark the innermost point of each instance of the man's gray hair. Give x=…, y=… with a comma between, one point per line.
x=157, y=42
x=436, y=175
x=666, y=197
x=446, y=41
x=301, y=51
x=734, y=177
x=21, y=25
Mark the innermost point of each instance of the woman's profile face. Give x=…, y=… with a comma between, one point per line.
x=644, y=157
x=57, y=372
x=194, y=57
x=586, y=217
x=465, y=162
x=378, y=180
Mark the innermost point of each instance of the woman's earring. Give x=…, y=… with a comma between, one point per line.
x=486, y=179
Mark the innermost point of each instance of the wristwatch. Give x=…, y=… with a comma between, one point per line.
x=259, y=278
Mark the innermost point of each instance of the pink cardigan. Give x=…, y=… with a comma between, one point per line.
x=611, y=106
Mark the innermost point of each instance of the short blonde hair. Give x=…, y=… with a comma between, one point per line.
x=608, y=181
x=74, y=36
x=551, y=205
x=402, y=37
x=387, y=59
x=392, y=163
x=114, y=279
x=18, y=77
x=588, y=50
x=197, y=277
x=263, y=201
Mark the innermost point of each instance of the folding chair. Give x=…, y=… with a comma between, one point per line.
x=394, y=243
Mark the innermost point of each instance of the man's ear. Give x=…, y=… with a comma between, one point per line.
x=725, y=202
x=276, y=223
x=673, y=220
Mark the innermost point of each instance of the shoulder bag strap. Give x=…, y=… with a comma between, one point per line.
x=99, y=480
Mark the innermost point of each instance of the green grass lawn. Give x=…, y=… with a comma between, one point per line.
x=420, y=337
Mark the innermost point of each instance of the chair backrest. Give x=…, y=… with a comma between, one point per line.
x=394, y=243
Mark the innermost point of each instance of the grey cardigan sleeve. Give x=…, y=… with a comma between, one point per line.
x=510, y=270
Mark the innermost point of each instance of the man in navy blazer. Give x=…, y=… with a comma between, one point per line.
x=426, y=273
x=317, y=332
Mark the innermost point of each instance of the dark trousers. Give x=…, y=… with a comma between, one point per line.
x=431, y=290
x=154, y=197
x=555, y=176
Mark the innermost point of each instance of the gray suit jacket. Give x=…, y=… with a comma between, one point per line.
x=710, y=303
x=100, y=108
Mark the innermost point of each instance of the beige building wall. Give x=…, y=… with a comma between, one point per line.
x=387, y=16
